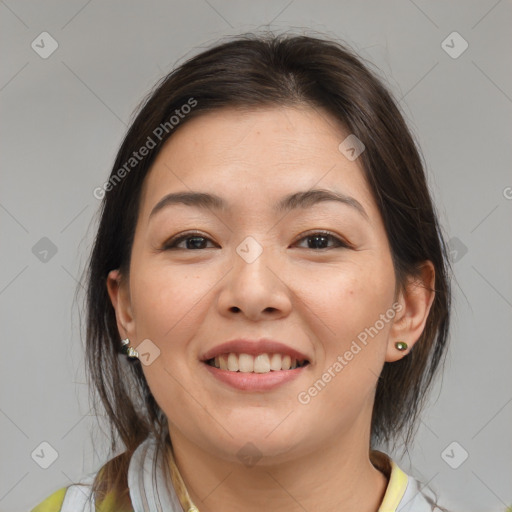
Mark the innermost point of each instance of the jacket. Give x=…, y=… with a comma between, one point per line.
x=148, y=494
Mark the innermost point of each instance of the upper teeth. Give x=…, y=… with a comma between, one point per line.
x=262, y=363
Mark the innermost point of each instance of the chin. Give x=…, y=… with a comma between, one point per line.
x=253, y=444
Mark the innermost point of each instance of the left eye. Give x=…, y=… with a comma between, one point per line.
x=320, y=238
x=193, y=242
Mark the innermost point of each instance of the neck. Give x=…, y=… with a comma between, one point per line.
x=337, y=477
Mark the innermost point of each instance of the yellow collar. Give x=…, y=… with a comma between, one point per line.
x=397, y=482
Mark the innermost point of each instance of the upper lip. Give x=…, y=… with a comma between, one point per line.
x=254, y=347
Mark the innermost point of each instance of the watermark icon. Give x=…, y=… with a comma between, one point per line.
x=44, y=45
x=454, y=45
x=44, y=455
x=249, y=249
x=151, y=142
x=454, y=455
x=44, y=249
x=351, y=147
x=457, y=249
x=507, y=192
x=304, y=397
x=147, y=351
x=249, y=455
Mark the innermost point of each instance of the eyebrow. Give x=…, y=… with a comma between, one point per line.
x=297, y=200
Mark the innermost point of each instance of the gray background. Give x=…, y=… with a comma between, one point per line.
x=64, y=117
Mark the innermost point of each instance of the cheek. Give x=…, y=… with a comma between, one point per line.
x=166, y=300
x=353, y=338
x=168, y=308
x=349, y=302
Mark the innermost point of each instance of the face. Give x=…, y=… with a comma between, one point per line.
x=314, y=278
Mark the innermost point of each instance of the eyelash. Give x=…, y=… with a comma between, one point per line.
x=173, y=242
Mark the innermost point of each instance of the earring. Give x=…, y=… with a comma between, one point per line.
x=127, y=350
x=401, y=345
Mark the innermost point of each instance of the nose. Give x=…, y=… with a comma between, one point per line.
x=255, y=288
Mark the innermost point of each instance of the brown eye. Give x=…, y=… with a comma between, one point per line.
x=193, y=241
x=319, y=240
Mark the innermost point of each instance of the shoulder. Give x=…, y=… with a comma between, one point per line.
x=74, y=498
x=77, y=497
x=52, y=503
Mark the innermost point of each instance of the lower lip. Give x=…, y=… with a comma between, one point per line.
x=255, y=381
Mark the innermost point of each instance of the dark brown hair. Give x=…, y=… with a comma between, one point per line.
x=248, y=72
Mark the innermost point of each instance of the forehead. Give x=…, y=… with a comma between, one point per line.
x=255, y=156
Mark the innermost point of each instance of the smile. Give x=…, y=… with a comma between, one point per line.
x=261, y=363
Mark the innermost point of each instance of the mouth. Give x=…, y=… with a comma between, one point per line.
x=260, y=363
x=255, y=365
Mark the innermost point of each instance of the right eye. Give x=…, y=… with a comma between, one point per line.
x=193, y=241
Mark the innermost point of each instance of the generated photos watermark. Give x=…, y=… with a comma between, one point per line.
x=305, y=397
x=158, y=134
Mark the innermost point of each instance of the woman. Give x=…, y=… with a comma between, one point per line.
x=271, y=269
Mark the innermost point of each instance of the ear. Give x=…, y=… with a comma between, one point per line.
x=415, y=302
x=119, y=292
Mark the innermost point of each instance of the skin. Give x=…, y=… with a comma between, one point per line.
x=186, y=301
